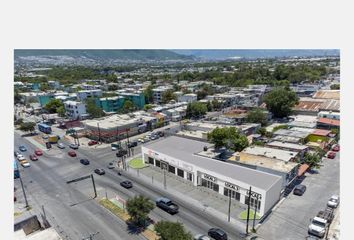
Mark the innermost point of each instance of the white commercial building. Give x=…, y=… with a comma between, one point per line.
x=158, y=92
x=184, y=158
x=75, y=110
x=83, y=94
x=189, y=98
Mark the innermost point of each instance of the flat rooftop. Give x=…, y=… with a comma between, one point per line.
x=327, y=94
x=274, y=164
x=331, y=105
x=186, y=149
x=287, y=145
x=286, y=139
x=268, y=152
x=291, y=133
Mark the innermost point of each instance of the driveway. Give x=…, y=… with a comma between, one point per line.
x=291, y=219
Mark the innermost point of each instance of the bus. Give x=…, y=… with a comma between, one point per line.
x=16, y=171
x=44, y=128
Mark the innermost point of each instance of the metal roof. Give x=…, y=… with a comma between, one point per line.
x=186, y=149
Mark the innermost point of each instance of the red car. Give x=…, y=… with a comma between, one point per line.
x=92, y=142
x=331, y=155
x=33, y=157
x=335, y=148
x=38, y=152
x=72, y=154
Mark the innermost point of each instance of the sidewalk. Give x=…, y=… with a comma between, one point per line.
x=334, y=229
x=201, y=198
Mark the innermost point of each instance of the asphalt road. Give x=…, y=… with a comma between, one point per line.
x=74, y=211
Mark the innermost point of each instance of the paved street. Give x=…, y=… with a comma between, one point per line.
x=70, y=207
x=291, y=219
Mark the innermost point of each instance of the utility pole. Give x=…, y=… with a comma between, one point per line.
x=229, y=206
x=94, y=186
x=255, y=213
x=248, y=208
x=23, y=189
x=164, y=178
x=99, y=132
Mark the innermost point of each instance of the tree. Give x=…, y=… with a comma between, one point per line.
x=172, y=231
x=216, y=104
x=167, y=96
x=209, y=106
x=196, y=109
x=335, y=87
x=312, y=159
x=53, y=105
x=44, y=87
x=149, y=95
x=27, y=126
x=262, y=131
x=127, y=107
x=280, y=101
x=17, y=97
x=257, y=116
x=139, y=208
x=201, y=94
x=228, y=137
x=92, y=109
x=61, y=111
x=147, y=107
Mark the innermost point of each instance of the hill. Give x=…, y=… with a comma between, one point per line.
x=216, y=54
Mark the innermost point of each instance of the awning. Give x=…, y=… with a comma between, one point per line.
x=302, y=169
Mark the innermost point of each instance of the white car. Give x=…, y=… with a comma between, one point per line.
x=20, y=157
x=333, y=201
x=201, y=237
x=114, y=149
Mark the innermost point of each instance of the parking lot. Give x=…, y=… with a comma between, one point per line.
x=291, y=219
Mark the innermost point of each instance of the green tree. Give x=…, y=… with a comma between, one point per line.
x=92, y=109
x=280, y=127
x=17, y=97
x=262, y=131
x=257, y=116
x=172, y=231
x=44, y=87
x=53, y=105
x=228, y=137
x=209, y=106
x=149, y=95
x=168, y=96
x=280, y=101
x=148, y=106
x=196, y=109
x=61, y=111
x=216, y=104
x=27, y=126
x=127, y=107
x=312, y=159
x=139, y=208
x=335, y=87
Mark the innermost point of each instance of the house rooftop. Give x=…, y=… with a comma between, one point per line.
x=284, y=155
x=291, y=133
x=327, y=94
x=293, y=146
x=186, y=149
x=265, y=162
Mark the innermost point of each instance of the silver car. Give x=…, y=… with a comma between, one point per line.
x=61, y=145
x=333, y=201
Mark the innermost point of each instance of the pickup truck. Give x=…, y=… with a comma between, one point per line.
x=167, y=205
x=319, y=224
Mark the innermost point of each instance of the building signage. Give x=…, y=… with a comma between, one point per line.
x=254, y=194
x=208, y=177
x=229, y=185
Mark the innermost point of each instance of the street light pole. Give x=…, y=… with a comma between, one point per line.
x=23, y=189
x=99, y=132
x=229, y=206
x=248, y=209
x=255, y=212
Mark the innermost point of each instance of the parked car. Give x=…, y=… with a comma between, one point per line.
x=38, y=152
x=33, y=157
x=74, y=146
x=160, y=133
x=99, y=171
x=20, y=157
x=141, y=140
x=132, y=144
x=84, y=161
x=201, y=237
x=45, y=136
x=72, y=153
x=25, y=164
x=22, y=148
x=154, y=137
x=335, y=148
x=217, y=234
x=114, y=149
x=92, y=142
x=111, y=165
x=299, y=190
x=17, y=153
x=333, y=201
x=331, y=155
x=126, y=184
x=61, y=145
